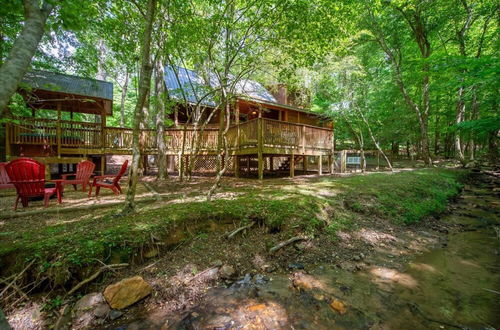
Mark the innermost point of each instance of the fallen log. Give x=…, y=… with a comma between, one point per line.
x=94, y=276
x=287, y=242
x=233, y=233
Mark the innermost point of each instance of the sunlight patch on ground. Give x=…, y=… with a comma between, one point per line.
x=383, y=275
x=468, y=263
x=62, y=220
x=374, y=237
x=423, y=267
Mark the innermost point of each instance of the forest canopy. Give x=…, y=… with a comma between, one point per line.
x=411, y=76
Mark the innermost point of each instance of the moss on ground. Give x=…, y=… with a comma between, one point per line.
x=320, y=204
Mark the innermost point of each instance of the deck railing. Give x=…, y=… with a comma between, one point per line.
x=71, y=134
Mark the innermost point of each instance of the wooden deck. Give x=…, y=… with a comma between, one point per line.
x=260, y=136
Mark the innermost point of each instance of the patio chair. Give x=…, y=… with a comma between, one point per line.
x=4, y=178
x=105, y=181
x=84, y=170
x=28, y=176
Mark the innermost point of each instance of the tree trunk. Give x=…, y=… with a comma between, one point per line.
x=160, y=122
x=223, y=156
x=15, y=66
x=362, y=153
x=418, y=29
x=437, y=136
x=459, y=117
x=372, y=136
x=144, y=86
x=122, y=100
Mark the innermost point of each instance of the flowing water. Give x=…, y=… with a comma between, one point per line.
x=454, y=286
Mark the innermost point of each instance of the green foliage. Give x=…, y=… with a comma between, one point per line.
x=326, y=205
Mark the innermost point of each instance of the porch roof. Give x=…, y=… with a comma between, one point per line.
x=76, y=94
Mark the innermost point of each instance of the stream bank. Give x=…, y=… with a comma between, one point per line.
x=352, y=225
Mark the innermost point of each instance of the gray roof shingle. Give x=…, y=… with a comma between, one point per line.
x=194, y=88
x=58, y=82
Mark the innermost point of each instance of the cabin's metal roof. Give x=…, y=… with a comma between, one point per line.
x=58, y=82
x=186, y=84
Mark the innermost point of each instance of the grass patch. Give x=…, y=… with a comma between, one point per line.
x=320, y=204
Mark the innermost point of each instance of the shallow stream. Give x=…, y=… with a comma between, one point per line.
x=456, y=285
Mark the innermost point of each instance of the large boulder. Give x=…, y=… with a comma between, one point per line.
x=127, y=292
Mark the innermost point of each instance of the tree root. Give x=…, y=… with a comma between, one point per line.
x=287, y=242
x=13, y=282
x=233, y=233
x=156, y=195
x=94, y=276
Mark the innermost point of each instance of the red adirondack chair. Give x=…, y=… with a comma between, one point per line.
x=113, y=184
x=4, y=178
x=28, y=176
x=84, y=171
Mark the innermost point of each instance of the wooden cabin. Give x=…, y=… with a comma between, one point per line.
x=265, y=135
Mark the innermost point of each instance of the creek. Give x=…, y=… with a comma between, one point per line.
x=454, y=285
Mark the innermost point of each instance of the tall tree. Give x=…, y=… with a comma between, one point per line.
x=144, y=88
x=15, y=66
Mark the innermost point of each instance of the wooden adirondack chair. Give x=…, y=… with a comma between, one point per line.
x=28, y=176
x=84, y=171
x=4, y=178
x=113, y=184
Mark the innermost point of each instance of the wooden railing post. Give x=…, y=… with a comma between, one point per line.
x=332, y=157
x=303, y=140
x=343, y=159
x=58, y=129
x=292, y=165
x=103, y=129
x=237, y=146
x=260, y=147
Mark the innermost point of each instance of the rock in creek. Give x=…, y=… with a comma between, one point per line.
x=227, y=272
x=88, y=309
x=295, y=266
x=127, y=292
x=338, y=306
x=113, y=315
x=305, y=282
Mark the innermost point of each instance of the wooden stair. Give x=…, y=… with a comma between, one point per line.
x=285, y=165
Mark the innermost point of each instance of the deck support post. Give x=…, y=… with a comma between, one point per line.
x=7, y=142
x=260, y=147
x=304, y=164
x=271, y=163
x=236, y=161
x=320, y=165
x=343, y=159
x=330, y=163
x=103, y=165
x=292, y=165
